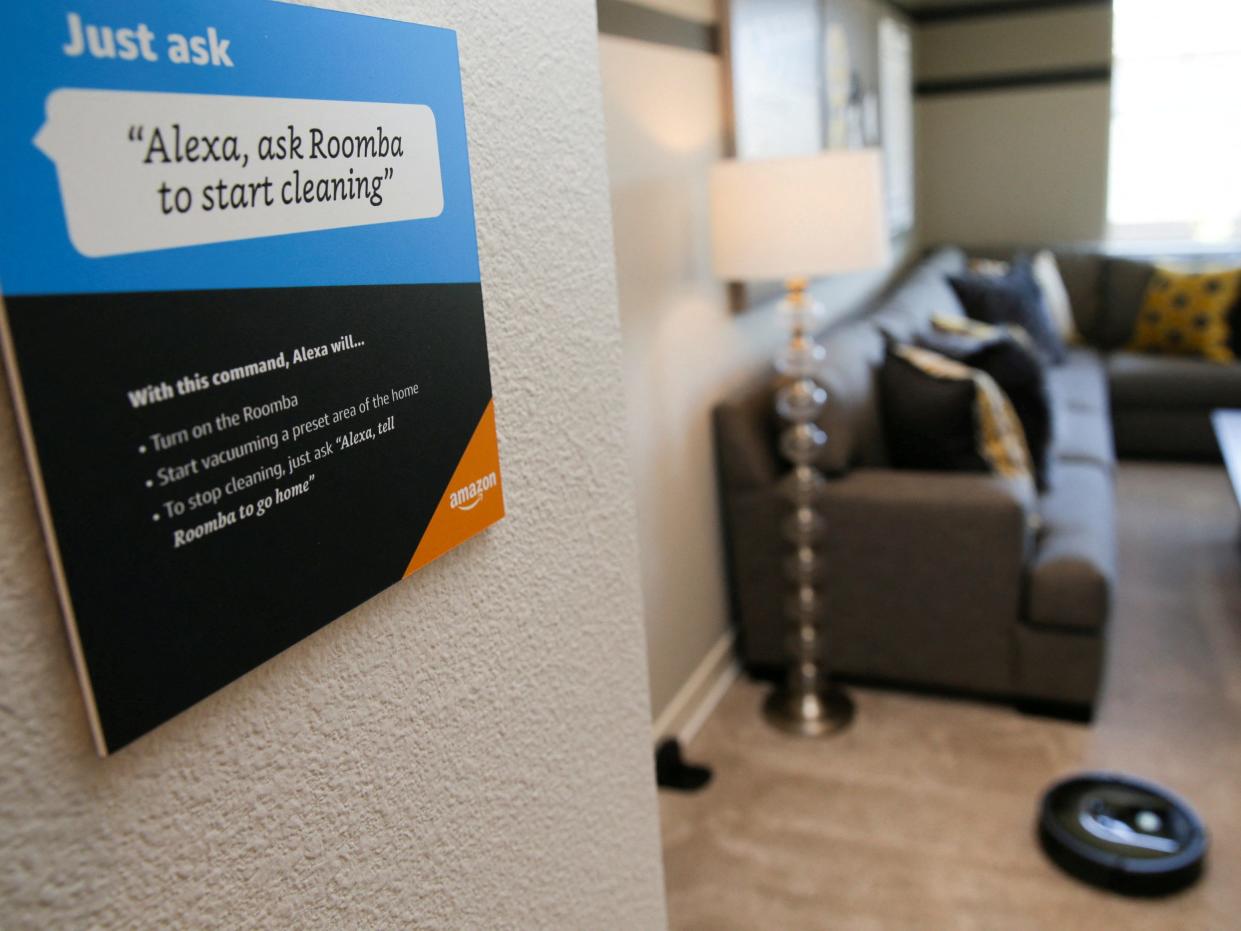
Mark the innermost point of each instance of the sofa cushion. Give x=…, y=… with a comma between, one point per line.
x=924, y=294
x=1122, y=284
x=1080, y=273
x=1169, y=382
x=1081, y=383
x=855, y=352
x=901, y=321
x=944, y=260
x=1234, y=326
x=1150, y=433
x=1074, y=566
x=1081, y=413
x=851, y=418
x=1083, y=436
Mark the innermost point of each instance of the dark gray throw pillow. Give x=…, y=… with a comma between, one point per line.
x=1012, y=298
x=928, y=422
x=1013, y=363
x=939, y=414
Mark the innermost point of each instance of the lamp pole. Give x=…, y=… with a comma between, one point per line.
x=807, y=703
x=772, y=219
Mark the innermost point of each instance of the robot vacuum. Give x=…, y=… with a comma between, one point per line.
x=1122, y=834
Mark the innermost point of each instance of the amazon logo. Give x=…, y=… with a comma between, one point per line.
x=470, y=496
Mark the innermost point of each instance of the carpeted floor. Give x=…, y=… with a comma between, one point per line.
x=921, y=816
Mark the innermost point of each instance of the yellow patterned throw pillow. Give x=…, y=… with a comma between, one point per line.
x=1187, y=314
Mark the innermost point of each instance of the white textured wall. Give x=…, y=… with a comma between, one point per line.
x=470, y=749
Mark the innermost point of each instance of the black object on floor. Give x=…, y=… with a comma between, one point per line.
x=1122, y=834
x=672, y=772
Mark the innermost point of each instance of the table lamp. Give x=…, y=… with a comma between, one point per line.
x=791, y=219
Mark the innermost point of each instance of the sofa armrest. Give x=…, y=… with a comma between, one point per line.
x=745, y=439
x=1000, y=503
x=924, y=575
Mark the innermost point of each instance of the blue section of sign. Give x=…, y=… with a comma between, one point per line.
x=277, y=50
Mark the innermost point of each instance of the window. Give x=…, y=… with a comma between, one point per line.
x=1176, y=121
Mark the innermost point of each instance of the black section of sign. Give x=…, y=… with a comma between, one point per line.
x=163, y=626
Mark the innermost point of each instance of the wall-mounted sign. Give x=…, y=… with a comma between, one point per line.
x=243, y=326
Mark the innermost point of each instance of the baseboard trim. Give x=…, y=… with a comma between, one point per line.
x=696, y=699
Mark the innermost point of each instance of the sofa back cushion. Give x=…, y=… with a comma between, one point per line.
x=1122, y=284
x=922, y=295
x=746, y=427
x=1080, y=273
x=852, y=418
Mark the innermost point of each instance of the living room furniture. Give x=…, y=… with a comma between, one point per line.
x=787, y=219
x=1161, y=405
x=1227, y=425
x=954, y=580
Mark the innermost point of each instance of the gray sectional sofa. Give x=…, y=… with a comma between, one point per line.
x=1161, y=406
x=963, y=581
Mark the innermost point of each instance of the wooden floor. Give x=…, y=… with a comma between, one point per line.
x=921, y=816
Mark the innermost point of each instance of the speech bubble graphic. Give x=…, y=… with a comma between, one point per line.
x=145, y=171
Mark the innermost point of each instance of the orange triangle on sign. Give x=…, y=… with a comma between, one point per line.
x=473, y=500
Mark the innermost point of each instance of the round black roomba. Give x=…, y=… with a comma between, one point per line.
x=1122, y=834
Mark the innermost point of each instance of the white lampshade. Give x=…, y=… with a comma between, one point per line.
x=798, y=217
